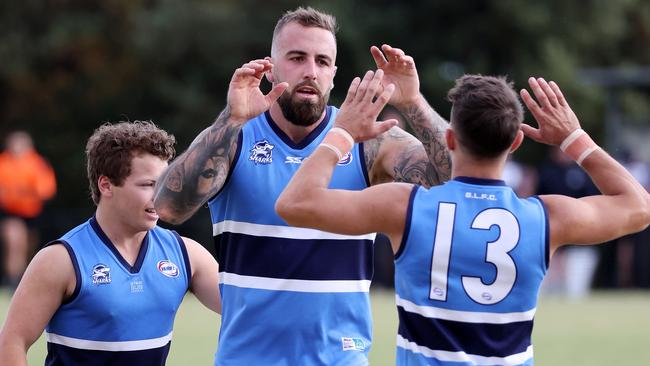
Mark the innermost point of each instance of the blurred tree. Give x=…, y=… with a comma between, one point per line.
x=69, y=65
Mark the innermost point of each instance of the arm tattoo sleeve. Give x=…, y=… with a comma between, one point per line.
x=198, y=173
x=429, y=128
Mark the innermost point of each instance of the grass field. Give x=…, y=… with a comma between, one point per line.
x=608, y=328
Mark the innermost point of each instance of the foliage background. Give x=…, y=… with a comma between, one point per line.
x=69, y=65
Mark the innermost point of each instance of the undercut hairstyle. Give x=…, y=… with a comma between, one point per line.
x=486, y=114
x=307, y=17
x=111, y=148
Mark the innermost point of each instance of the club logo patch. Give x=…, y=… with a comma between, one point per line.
x=353, y=344
x=101, y=274
x=261, y=153
x=168, y=268
x=346, y=159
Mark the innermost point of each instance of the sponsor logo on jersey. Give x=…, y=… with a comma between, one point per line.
x=353, y=344
x=480, y=196
x=294, y=160
x=137, y=285
x=261, y=152
x=101, y=274
x=168, y=268
x=346, y=159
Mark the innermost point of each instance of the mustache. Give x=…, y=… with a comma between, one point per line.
x=309, y=83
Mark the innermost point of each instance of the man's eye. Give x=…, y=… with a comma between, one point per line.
x=208, y=173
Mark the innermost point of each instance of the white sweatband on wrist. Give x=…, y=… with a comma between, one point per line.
x=343, y=133
x=586, y=153
x=572, y=137
x=338, y=140
x=333, y=148
x=578, y=145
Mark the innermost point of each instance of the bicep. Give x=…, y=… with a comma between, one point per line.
x=379, y=208
x=400, y=157
x=588, y=220
x=39, y=294
x=204, y=283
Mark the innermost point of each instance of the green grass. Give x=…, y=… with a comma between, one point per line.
x=608, y=328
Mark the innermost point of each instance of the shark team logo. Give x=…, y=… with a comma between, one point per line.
x=168, y=268
x=101, y=274
x=346, y=159
x=261, y=153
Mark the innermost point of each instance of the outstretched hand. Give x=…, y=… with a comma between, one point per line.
x=555, y=118
x=363, y=103
x=245, y=98
x=399, y=69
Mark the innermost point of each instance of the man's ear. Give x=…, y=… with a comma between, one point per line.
x=450, y=138
x=269, y=74
x=105, y=186
x=517, y=141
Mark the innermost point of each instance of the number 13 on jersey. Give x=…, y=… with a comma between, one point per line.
x=497, y=253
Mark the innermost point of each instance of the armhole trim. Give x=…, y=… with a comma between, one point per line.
x=547, y=230
x=75, y=266
x=240, y=139
x=186, y=258
x=407, y=224
x=364, y=166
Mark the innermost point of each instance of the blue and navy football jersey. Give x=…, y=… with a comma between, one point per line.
x=468, y=273
x=119, y=314
x=291, y=296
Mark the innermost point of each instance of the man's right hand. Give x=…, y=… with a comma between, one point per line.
x=363, y=103
x=245, y=98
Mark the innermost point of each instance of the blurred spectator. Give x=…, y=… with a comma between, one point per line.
x=630, y=254
x=521, y=177
x=26, y=181
x=572, y=268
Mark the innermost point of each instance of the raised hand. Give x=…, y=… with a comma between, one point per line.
x=555, y=118
x=363, y=103
x=245, y=98
x=399, y=69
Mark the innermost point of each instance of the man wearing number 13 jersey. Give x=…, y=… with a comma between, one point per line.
x=470, y=255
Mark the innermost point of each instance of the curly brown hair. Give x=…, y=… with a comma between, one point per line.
x=111, y=148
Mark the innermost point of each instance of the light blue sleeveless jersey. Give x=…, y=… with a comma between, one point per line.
x=119, y=314
x=291, y=296
x=467, y=275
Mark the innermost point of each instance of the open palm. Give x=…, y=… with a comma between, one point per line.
x=245, y=98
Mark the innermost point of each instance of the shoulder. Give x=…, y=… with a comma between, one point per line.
x=195, y=251
x=53, y=265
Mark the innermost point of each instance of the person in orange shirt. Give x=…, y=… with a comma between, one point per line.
x=26, y=182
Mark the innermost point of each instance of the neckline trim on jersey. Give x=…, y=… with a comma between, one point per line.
x=141, y=254
x=480, y=181
x=308, y=139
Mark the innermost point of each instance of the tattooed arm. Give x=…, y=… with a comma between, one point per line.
x=200, y=172
x=398, y=156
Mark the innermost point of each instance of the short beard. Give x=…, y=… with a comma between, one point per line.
x=302, y=113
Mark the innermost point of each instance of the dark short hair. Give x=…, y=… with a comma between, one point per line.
x=486, y=114
x=111, y=148
x=307, y=17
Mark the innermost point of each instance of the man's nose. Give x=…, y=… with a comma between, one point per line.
x=310, y=71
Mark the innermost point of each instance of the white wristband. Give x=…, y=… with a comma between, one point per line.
x=343, y=133
x=586, y=153
x=572, y=137
x=333, y=148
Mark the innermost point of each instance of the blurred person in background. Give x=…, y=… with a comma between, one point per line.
x=26, y=182
x=572, y=269
x=470, y=255
x=107, y=291
x=295, y=297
